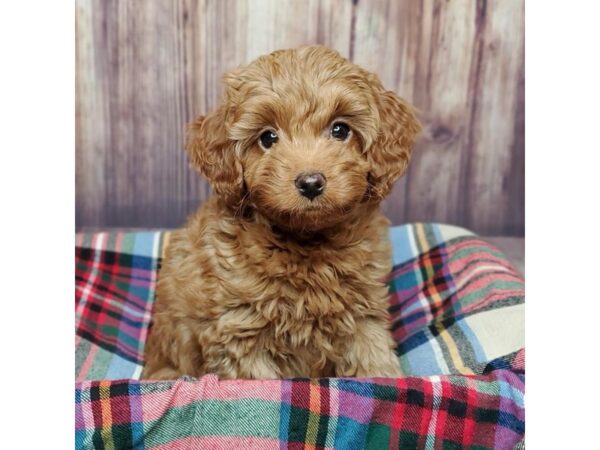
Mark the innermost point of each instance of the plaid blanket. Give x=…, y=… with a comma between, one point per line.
x=457, y=314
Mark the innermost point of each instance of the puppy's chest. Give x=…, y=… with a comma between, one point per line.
x=292, y=298
x=322, y=294
x=320, y=283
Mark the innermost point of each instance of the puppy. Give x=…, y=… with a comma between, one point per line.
x=281, y=273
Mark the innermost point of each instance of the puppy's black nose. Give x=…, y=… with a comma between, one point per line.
x=311, y=185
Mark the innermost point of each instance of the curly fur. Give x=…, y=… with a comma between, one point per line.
x=262, y=282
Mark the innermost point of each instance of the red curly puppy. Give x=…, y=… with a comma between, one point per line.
x=281, y=273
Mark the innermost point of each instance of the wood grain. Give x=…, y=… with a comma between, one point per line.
x=146, y=68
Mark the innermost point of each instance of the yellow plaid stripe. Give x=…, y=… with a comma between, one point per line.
x=106, y=431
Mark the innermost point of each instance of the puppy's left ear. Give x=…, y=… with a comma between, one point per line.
x=213, y=154
x=390, y=153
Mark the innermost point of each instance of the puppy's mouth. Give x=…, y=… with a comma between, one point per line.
x=309, y=204
x=310, y=216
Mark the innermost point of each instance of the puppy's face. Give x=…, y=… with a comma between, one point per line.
x=306, y=175
x=305, y=137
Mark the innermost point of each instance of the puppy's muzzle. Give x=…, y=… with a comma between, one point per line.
x=311, y=185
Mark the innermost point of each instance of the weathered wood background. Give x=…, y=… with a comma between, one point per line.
x=146, y=68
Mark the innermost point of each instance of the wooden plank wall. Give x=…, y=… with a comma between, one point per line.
x=146, y=68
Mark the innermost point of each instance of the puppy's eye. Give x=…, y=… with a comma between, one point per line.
x=340, y=131
x=267, y=139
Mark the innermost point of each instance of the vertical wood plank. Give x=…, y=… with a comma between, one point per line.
x=494, y=198
x=91, y=130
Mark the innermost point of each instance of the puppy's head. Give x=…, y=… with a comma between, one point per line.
x=305, y=137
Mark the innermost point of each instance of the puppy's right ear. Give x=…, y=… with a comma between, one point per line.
x=390, y=153
x=213, y=154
